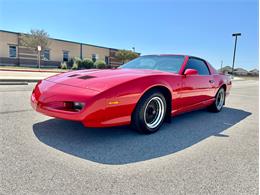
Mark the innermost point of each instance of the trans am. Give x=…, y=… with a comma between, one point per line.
x=144, y=92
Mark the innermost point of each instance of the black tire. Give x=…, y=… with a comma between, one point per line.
x=219, y=101
x=149, y=113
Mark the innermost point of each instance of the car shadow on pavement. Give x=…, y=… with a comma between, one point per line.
x=122, y=145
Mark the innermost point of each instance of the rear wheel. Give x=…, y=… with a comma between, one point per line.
x=219, y=101
x=149, y=113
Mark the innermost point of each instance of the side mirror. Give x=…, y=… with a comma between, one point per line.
x=190, y=72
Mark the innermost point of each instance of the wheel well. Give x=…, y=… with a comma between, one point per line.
x=168, y=97
x=224, y=87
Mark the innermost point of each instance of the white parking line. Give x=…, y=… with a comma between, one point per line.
x=229, y=124
x=252, y=96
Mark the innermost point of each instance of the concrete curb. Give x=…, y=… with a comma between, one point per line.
x=20, y=80
x=13, y=83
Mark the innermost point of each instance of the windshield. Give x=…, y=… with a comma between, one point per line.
x=155, y=62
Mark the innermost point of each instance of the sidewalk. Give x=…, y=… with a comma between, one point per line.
x=21, y=76
x=24, y=69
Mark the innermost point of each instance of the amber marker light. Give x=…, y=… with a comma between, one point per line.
x=113, y=102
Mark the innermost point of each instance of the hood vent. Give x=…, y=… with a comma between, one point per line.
x=73, y=75
x=86, y=77
x=92, y=70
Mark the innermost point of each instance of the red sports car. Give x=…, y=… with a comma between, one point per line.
x=144, y=92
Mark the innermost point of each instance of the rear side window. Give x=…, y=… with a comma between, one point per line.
x=198, y=65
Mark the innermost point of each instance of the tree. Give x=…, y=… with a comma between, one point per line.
x=35, y=39
x=133, y=55
x=125, y=55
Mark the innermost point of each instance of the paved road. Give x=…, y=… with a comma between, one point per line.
x=198, y=153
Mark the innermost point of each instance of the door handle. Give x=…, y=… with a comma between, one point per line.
x=211, y=81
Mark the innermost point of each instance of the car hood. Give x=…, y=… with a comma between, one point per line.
x=100, y=80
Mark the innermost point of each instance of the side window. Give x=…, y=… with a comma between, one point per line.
x=198, y=65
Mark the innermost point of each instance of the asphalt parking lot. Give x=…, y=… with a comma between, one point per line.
x=198, y=153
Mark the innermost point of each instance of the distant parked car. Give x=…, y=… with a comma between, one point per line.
x=143, y=92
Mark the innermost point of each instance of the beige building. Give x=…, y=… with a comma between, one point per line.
x=13, y=54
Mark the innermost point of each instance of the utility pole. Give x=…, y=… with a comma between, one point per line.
x=234, y=55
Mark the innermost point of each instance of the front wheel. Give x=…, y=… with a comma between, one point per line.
x=219, y=101
x=149, y=113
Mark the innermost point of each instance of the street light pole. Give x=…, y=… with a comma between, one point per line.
x=234, y=55
x=39, y=48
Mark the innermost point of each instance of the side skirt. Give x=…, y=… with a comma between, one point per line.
x=197, y=106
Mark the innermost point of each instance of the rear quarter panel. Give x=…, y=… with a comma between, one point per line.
x=222, y=80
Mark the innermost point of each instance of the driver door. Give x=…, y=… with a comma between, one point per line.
x=196, y=88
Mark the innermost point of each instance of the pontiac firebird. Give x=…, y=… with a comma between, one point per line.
x=144, y=92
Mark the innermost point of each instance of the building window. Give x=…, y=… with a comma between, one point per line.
x=46, y=54
x=94, y=57
x=65, y=56
x=12, y=51
x=107, y=59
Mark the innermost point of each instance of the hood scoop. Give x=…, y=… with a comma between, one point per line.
x=86, y=77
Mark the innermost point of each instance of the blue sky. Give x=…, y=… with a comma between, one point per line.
x=201, y=28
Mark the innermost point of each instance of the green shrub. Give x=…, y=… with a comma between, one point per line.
x=76, y=63
x=76, y=60
x=86, y=64
x=75, y=66
x=100, y=64
x=63, y=65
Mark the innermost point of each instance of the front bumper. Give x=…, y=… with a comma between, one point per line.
x=48, y=97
